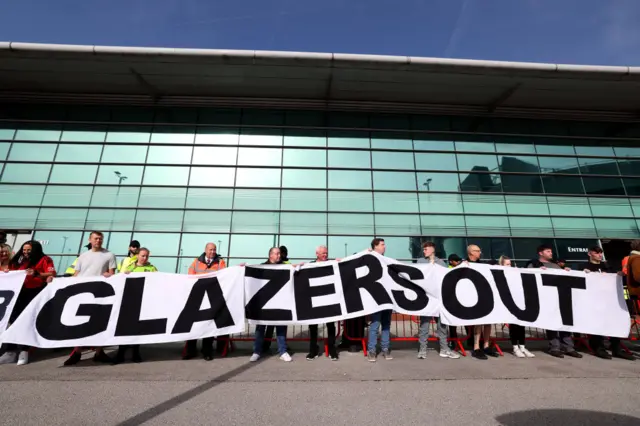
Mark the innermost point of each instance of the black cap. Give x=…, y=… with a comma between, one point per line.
x=134, y=244
x=454, y=258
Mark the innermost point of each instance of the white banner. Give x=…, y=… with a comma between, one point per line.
x=124, y=310
x=10, y=285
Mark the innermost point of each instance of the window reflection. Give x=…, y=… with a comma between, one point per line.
x=75, y=153
x=129, y=134
x=159, y=244
x=173, y=176
x=256, y=199
x=390, y=224
x=18, y=218
x=171, y=134
x=430, y=181
x=207, y=221
x=343, y=223
x=304, y=200
x=221, y=155
x=194, y=244
x=258, y=177
x=343, y=246
x=59, y=243
x=124, y=154
x=111, y=219
x=21, y=195
x=302, y=247
x=26, y=173
x=259, y=156
x=394, y=181
x=349, y=159
x=350, y=201
x=119, y=175
x=304, y=158
x=61, y=218
x=169, y=155
x=162, y=197
x=303, y=223
x=252, y=246
x=115, y=196
x=32, y=152
x=393, y=160
x=158, y=220
x=256, y=222
x=209, y=198
x=62, y=173
x=433, y=161
x=396, y=202
x=295, y=178
x=213, y=176
x=69, y=196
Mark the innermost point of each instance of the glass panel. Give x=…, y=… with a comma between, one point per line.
x=21, y=195
x=159, y=244
x=158, y=220
x=170, y=134
x=79, y=153
x=260, y=222
x=389, y=224
x=438, y=182
x=604, y=151
x=304, y=178
x=215, y=155
x=477, y=162
x=306, y=138
x=519, y=163
x=343, y=223
x=349, y=159
x=562, y=185
x=392, y=160
x=493, y=248
x=629, y=167
x=59, y=242
x=162, y=197
x=252, y=246
x=303, y=223
x=484, y=204
x=4, y=149
x=555, y=149
x=631, y=185
x=394, y=180
x=440, y=203
x=129, y=134
x=443, y=225
x=124, y=154
x=611, y=207
x=529, y=226
x=171, y=176
x=260, y=156
x=263, y=137
x=348, y=140
x=621, y=151
x=343, y=246
x=475, y=147
x=61, y=218
x=573, y=227
x=194, y=245
x=617, y=228
x=635, y=205
x=84, y=133
x=111, y=219
x=112, y=175
x=212, y=176
x=302, y=247
x=603, y=186
x=574, y=249
x=396, y=202
x=37, y=135
x=569, y=206
x=304, y=200
x=6, y=134
x=430, y=161
x=18, y=218
x=26, y=173
x=598, y=166
x=209, y=198
x=164, y=264
x=169, y=155
x=559, y=165
x=516, y=148
x=73, y=174
x=115, y=196
x=305, y=158
x=487, y=225
x=346, y=179
x=350, y=201
x=116, y=242
x=523, y=204
x=525, y=248
x=214, y=136
x=257, y=199
x=480, y=182
x=69, y=196
x=258, y=177
x=425, y=145
x=391, y=143
x=207, y=221
x=445, y=246
x=32, y=152
x=61, y=263
x=528, y=184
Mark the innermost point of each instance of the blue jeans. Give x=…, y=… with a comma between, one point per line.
x=281, y=338
x=384, y=318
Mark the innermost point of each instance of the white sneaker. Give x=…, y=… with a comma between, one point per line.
x=23, y=358
x=254, y=357
x=8, y=358
x=526, y=352
x=448, y=353
x=286, y=357
x=518, y=352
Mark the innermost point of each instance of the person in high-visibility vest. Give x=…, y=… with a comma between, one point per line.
x=131, y=259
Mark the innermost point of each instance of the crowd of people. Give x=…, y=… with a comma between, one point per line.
x=98, y=261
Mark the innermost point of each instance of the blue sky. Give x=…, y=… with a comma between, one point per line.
x=559, y=31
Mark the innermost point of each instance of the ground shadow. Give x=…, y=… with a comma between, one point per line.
x=564, y=417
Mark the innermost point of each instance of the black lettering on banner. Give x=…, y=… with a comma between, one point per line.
x=7, y=297
x=191, y=313
x=129, y=323
x=304, y=293
x=422, y=300
x=49, y=320
x=531, y=300
x=565, y=284
x=483, y=306
x=351, y=284
x=277, y=279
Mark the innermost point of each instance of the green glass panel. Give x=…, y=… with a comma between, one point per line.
x=209, y=198
x=350, y=201
x=26, y=173
x=256, y=199
x=76, y=153
x=169, y=155
x=304, y=200
x=63, y=173
x=217, y=176
x=32, y=152
x=258, y=177
x=255, y=222
x=260, y=157
x=343, y=223
x=207, y=221
x=394, y=181
x=303, y=223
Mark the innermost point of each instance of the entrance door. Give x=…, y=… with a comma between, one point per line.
x=615, y=251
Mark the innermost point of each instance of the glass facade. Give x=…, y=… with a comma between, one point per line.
x=176, y=178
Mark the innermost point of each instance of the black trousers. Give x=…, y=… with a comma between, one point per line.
x=597, y=342
x=207, y=346
x=453, y=332
x=313, y=336
x=516, y=334
x=24, y=298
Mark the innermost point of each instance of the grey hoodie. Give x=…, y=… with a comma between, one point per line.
x=436, y=260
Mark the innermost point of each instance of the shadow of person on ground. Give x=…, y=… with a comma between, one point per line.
x=562, y=417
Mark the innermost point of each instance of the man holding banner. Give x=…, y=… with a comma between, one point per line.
x=381, y=318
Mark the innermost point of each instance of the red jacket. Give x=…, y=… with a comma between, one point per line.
x=199, y=265
x=44, y=266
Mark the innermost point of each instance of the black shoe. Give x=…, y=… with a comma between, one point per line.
x=479, y=354
x=619, y=353
x=333, y=354
x=119, y=358
x=556, y=353
x=573, y=354
x=73, y=359
x=136, y=358
x=313, y=354
x=491, y=352
x=602, y=353
x=102, y=358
